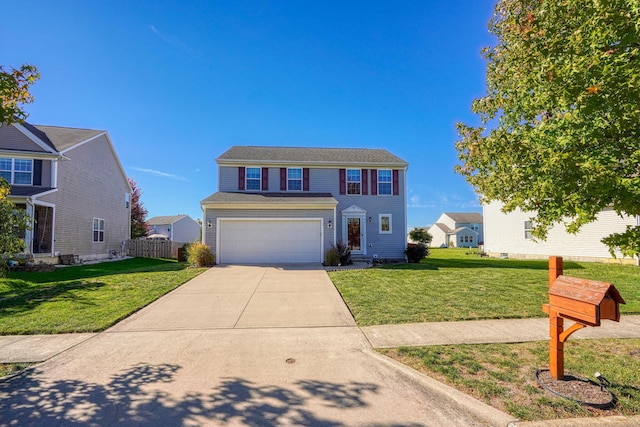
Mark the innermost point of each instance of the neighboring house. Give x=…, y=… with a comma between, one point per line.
x=509, y=235
x=179, y=228
x=73, y=188
x=286, y=204
x=457, y=230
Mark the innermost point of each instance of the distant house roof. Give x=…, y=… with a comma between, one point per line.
x=165, y=220
x=465, y=217
x=268, y=198
x=239, y=154
x=442, y=227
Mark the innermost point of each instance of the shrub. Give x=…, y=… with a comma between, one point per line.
x=421, y=235
x=331, y=258
x=415, y=252
x=199, y=255
x=342, y=251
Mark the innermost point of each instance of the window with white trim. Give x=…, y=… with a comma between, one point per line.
x=98, y=230
x=528, y=230
x=384, y=224
x=294, y=179
x=253, y=179
x=17, y=171
x=353, y=181
x=127, y=200
x=384, y=182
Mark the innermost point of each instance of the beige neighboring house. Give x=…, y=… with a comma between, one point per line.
x=457, y=229
x=509, y=235
x=73, y=188
x=179, y=228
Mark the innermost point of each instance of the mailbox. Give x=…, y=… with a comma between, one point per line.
x=585, y=301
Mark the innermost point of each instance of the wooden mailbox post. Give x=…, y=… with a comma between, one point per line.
x=586, y=302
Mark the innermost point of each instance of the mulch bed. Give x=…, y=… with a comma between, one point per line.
x=582, y=390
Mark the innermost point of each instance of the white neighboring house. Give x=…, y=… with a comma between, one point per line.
x=457, y=229
x=179, y=228
x=509, y=234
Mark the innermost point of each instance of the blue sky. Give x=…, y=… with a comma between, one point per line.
x=176, y=83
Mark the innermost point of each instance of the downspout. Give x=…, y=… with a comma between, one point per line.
x=28, y=234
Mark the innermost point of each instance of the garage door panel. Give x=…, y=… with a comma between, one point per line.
x=269, y=241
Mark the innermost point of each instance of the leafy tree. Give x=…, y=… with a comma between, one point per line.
x=559, y=134
x=421, y=235
x=13, y=223
x=139, y=227
x=14, y=90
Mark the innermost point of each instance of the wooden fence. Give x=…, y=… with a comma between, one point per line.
x=153, y=248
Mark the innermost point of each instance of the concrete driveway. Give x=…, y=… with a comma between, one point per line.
x=238, y=345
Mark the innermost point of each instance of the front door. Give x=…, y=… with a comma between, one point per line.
x=353, y=234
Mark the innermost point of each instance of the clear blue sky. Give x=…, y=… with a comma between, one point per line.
x=176, y=83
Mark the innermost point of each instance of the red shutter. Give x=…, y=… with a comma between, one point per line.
x=343, y=181
x=305, y=179
x=396, y=184
x=265, y=179
x=374, y=182
x=241, y=178
x=365, y=182
x=283, y=179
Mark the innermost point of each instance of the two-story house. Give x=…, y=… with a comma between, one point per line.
x=455, y=229
x=179, y=228
x=290, y=204
x=72, y=186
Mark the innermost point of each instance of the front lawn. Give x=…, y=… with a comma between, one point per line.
x=453, y=285
x=503, y=375
x=85, y=298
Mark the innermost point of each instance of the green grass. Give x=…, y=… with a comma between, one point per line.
x=452, y=285
x=85, y=298
x=503, y=375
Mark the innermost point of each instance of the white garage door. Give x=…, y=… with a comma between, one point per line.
x=269, y=241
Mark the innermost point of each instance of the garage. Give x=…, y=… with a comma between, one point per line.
x=259, y=241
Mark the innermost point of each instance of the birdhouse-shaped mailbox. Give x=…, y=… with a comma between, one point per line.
x=585, y=301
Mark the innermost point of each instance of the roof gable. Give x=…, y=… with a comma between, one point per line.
x=165, y=220
x=310, y=155
x=465, y=217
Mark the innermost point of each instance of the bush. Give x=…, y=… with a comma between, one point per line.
x=199, y=255
x=415, y=252
x=420, y=235
x=331, y=258
x=342, y=252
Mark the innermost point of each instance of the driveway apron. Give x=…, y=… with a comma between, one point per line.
x=238, y=345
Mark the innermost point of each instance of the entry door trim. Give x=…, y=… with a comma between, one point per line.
x=358, y=213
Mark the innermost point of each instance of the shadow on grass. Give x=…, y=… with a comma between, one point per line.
x=133, y=265
x=25, y=301
x=445, y=263
x=136, y=397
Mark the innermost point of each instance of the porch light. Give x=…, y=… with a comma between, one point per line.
x=209, y=225
x=370, y=220
x=329, y=224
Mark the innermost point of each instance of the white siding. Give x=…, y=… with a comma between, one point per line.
x=504, y=234
x=439, y=237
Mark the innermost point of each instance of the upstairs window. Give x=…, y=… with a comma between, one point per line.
x=253, y=179
x=294, y=179
x=17, y=171
x=384, y=182
x=98, y=230
x=353, y=181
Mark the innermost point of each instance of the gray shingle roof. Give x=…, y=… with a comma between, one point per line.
x=270, y=198
x=27, y=190
x=463, y=217
x=165, y=220
x=61, y=138
x=237, y=154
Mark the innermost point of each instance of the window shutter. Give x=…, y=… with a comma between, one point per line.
x=283, y=179
x=396, y=184
x=343, y=181
x=37, y=172
x=365, y=182
x=374, y=182
x=305, y=179
x=265, y=179
x=241, y=178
